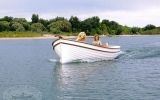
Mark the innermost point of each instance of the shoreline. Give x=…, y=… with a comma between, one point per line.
x=67, y=37
x=39, y=37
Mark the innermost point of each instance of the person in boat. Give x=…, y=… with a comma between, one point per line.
x=81, y=37
x=97, y=41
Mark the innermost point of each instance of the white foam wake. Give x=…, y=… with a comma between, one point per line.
x=53, y=60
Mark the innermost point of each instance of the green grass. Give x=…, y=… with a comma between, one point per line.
x=152, y=32
x=20, y=34
x=10, y=34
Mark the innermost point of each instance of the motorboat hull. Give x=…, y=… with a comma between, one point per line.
x=72, y=51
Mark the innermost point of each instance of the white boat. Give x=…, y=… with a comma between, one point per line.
x=72, y=51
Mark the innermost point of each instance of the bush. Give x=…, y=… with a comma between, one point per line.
x=152, y=32
x=17, y=27
x=60, y=26
x=37, y=27
x=4, y=26
x=135, y=30
x=149, y=27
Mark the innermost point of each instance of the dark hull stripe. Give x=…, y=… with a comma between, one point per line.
x=79, y=42
x=83, y=47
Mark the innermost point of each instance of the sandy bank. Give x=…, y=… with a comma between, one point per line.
x=48, y=36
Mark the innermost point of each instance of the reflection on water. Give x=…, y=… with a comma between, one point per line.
x=83, y=80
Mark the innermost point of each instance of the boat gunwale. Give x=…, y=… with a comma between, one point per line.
x=54, y=45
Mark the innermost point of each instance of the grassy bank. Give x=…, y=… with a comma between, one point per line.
x=20, y=34
x=37, y=34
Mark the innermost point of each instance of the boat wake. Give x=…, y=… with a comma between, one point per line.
x=87, y=60
x=141, y=53
x=53, y=60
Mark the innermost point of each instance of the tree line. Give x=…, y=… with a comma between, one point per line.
x=73, y=25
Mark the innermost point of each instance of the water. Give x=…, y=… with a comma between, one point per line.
x=29, y=70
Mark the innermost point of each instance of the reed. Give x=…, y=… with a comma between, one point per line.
x=20, y=34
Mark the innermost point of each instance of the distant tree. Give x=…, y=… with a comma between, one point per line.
x=106, y=22
x=44, y=22
x=135, y=30
x=60, y=26
x=19, y=20
x=35, y=18
x=149, y=27
x=7, y=18
x=86, y=27
x=56, y=19
x=60, y=18
x=119, y=30
x=104, y=29
x=54, y=28
x=4, y=26
x=90, y=24
x=95, y=22
x=24, y=22
x=17, y=27
x=51, y=21
x=126, y=30
x=75, y=23
x=27, y=26
x=37, y=27
x=113, y=27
